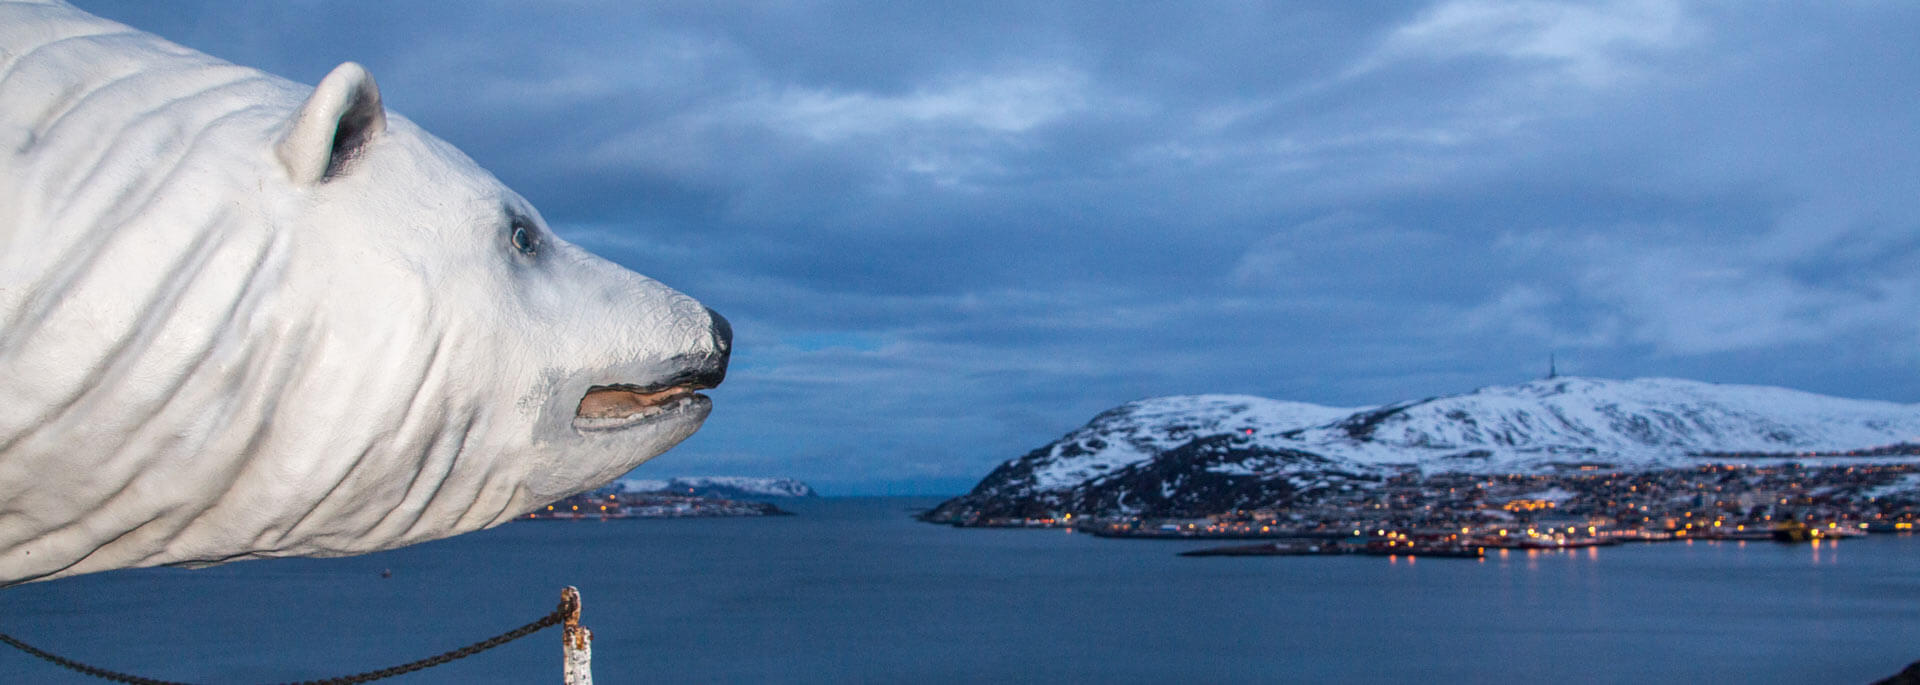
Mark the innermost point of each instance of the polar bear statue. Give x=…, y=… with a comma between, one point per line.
x=243, y=318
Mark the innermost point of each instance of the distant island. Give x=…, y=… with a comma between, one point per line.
x=733, y=487
x=1553, y=463
x=701, y=497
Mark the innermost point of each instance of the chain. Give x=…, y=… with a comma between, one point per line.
x=569, y=608
x=83, y=668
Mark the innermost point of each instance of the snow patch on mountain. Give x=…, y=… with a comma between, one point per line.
x=1136, y=432
x=1643, y=423
x=1906, y=485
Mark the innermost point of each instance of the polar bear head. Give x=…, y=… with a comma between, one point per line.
x=453, y=319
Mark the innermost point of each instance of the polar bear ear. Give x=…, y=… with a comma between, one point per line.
x=334, y=125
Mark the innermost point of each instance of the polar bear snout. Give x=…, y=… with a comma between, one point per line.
x=708, y=369
x=620, y=406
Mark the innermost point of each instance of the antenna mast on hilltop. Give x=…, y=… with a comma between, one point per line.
x=1552, y=372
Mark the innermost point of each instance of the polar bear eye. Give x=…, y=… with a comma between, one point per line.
x=522, y=237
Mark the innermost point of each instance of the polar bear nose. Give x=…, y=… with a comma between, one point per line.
x=716, y=367
x=722, y=333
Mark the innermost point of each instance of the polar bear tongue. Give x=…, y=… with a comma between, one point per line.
x=619, y=401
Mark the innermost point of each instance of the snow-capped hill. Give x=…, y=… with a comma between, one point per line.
x=1192, y=453
x=725, y=487
x=1641, y=421
x=1138, y=431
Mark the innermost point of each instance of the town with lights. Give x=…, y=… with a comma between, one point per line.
x=604, y=505
x=1463, y=515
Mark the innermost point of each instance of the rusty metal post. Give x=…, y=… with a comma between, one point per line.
x=576, y=647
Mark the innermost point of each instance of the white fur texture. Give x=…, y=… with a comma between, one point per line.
x=244, y=318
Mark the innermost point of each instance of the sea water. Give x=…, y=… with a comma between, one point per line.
x=854, y=591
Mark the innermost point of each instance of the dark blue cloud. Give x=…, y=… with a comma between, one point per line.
x=948, y=234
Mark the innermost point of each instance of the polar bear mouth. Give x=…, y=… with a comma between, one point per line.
x=616, y=407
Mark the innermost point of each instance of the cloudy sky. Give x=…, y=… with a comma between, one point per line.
x=947, y=233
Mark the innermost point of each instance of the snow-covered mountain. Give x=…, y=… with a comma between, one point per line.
x=1173, y=448
x=1643, y=422
x=725, y=487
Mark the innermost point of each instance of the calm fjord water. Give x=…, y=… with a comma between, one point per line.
x=852, y=590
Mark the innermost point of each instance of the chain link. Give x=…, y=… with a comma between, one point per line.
x=569, y=607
